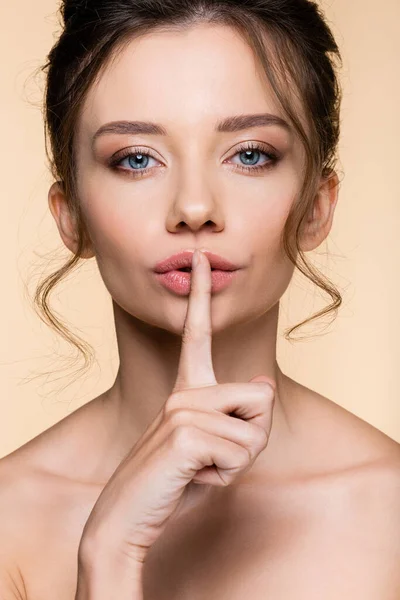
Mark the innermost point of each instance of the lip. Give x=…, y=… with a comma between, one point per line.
x=184, y=259
x=179, y=282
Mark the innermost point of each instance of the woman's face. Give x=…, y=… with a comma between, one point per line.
x=201, y=189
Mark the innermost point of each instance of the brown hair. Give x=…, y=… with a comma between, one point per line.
x=296, y=49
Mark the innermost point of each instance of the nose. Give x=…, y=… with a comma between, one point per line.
x=195, y=208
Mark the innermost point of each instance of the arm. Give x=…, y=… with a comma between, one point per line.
x=104, y=586
x=103, y=577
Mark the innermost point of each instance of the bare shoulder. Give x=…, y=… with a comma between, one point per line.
x=43, y=510
x=12, y=586
x=42, y=516
x=361, y=462
x=377, y=498
x=344, y=500
x=366, y=518
x=340, y=439
x=365, y=470
x=26, y=499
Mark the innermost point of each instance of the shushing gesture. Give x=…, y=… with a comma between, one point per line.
x=194, y=439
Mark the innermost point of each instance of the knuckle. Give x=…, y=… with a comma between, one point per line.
x=251, y=434
x=244, y=457
x=179, y=416
x=184, y=437
x=267, y=392
x=257, y=438
x=261, y=436
x=174, y=401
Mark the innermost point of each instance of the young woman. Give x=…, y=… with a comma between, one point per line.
x=204, y=471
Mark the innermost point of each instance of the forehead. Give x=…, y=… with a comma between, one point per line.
x=186, y=78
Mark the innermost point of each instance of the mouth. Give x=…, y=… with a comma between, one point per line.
x=189, y=270
x=178, y=280
x=182, y=262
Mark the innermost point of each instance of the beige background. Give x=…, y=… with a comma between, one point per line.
x=355, y=363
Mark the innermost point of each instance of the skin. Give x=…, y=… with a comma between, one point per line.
x=324, y=470
x=194, y=201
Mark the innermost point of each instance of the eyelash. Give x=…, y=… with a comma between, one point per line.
x=274, y=158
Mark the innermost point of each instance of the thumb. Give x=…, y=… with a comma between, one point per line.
x=265, y=378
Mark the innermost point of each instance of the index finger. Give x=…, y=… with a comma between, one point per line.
x=195, y=363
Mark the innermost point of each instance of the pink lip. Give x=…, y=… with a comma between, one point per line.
x=179, y=282
x=184, y=259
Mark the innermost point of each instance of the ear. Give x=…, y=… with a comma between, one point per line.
x=65, y=221
x=319, y=223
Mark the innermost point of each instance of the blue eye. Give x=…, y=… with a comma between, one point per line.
x=138, y=159
x=252, y=152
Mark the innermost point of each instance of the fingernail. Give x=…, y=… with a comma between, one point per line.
x=196, y=258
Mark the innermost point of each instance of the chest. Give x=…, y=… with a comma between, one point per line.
x=282, y=546
x=292, y=545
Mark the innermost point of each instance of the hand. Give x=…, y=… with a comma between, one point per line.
x=205, y=433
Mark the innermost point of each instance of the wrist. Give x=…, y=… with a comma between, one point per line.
x=107, y=577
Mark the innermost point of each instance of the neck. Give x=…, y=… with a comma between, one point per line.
x=149, y=358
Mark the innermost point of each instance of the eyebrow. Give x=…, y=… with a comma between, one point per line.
x=227, y=125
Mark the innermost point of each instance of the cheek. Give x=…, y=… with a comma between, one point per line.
x=273, y=270
x=121, y=232
x=269, y=219
x=115, y=229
